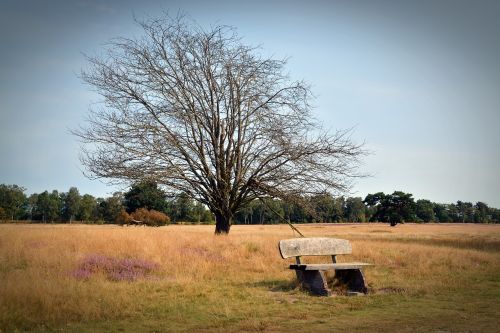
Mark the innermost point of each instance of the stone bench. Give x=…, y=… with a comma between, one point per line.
x=313, y=277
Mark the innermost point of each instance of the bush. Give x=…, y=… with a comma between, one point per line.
x=150, y=217
x=123, y=217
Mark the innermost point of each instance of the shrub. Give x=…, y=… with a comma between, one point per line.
x=150, y=217
x=123, y=217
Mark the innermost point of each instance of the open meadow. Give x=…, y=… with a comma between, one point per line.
x=82, y=278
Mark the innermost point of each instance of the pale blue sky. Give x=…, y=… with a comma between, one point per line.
x=419, y=81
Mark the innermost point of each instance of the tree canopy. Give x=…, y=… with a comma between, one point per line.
x=145, y=194
x=199, y=112
x=11, y=201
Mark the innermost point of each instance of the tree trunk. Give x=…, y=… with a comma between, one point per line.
x=222, y=223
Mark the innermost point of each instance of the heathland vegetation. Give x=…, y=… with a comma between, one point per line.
x=146, y=196
x=183, y=278
x=225, y=137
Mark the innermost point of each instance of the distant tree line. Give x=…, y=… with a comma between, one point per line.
x=400, y=207
x=392, y=208
x=71, y=206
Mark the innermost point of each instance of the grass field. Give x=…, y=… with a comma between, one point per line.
x=426, y=278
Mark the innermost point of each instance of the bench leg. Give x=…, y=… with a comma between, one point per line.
x=353, y=278
x=314, y=281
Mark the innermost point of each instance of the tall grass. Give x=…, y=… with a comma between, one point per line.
x=194, y=280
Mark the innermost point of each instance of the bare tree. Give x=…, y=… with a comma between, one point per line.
x=199, y=112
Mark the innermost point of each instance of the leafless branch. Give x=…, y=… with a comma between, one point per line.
x=202, y=113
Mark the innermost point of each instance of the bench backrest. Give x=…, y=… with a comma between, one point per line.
x=317, y=246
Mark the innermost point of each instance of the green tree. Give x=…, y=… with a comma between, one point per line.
x=295, y=213
x=12, y=200
x=72, y=201
x=55, y=206
x=465, y=211
x=482, y=213
x=145, y=194
x=208, y=217
x=394, y=208
x=425, y=210
x=263, y=211
x=87, y=210
x=377, y=207
x=326, y=209
x=495, y=215
x=453, y=213
x=355, y=210
x=47, y=206
x=110, y=208
x=338, y=209
x=401, y=207
x=184, y=208
x=244, y=215
x=31, y=206
x=272, y=210
x=201, y=213
x=442, y=213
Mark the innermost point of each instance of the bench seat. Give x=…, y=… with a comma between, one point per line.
x=328, y=267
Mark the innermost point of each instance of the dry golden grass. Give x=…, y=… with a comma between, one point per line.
x=426, y=277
